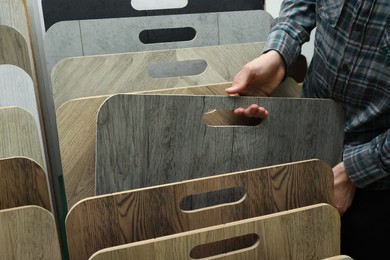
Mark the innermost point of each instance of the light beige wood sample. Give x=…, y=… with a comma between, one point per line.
x=17, y=89
x=311, y=232
x=76, y=122
x=14, y=46
x=23, y=182
x=116, y=219
x=19, y=135
x=339, y=257
x=28, y=233
x=129, y=72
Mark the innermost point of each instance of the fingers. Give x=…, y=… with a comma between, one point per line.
x=252, y=111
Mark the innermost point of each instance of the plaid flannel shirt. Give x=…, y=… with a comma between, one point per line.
x=351, y=65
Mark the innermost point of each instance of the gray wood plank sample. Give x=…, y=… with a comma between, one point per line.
x=107, y=36
x=311, y=232
x=17, y=89
x=130, y=72
x=141, y=214
x=28, y=233
x=19, y=135
x=76, y=121
x=63, y=10
x=145, y=140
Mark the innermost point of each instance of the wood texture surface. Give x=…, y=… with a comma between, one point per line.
x=15, y=43
x=311, y=232
x=76, y=122
x=64, y=10
x=145, y=140
x=122, y=73
x=28, y=233
x=120, y=35
x=17, y=89
x=23, y=182
x=110, y=220
x=19, y=135
x=14, y=49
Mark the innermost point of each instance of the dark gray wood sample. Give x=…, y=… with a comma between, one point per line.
x=146, y=140
x=65, y=10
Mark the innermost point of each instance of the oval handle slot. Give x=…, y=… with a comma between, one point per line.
x=225, y=247
x=177, y=68
x=144, y=5
x=211, y=199
x=167, y=35
x=227, y=118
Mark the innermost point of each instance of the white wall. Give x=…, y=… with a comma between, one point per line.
x=273, y=7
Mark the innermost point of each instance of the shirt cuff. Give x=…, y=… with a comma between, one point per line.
x=281, y=42
x=362, y=164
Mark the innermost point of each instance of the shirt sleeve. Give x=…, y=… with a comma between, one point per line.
x=292, y=28
x=369, y=162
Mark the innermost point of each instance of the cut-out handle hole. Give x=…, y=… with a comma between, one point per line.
x=177, y=68
x=211, y=199
x=223, y=247
x=144, y=5
x=227, y=118
x=167, y=35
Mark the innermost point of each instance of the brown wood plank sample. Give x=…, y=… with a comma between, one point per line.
x=311, y=232
x=23, y=182
x=115, y=219
x=15, y=41
x=28, y=233
x=19, y=135
x=129, y=72
x=145, y=140
x=17, y=89
x=76, y=122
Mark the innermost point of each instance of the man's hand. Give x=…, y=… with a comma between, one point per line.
x=260, y=77
x=344, y=190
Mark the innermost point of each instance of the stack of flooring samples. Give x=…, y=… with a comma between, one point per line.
x=28, y=228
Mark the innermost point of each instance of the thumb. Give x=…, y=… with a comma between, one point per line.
x=236, y=88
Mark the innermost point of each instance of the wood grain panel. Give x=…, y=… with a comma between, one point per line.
x=110, y=220
x=122, y=73
x=19, y=135
x=28, y=233
x=23, y=182
x=145, y=140
x=107, y=36
x=15, y=45
x=64, y=10
x=14, y=49
x=76, y=121
x=311, y=232
x=17, y=89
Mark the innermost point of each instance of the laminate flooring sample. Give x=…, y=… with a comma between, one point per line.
x=141, y=71
x=23, y=182
x=15, y=41
x=19, y=135
x=17, y=89
x=145, y=140
x=76, y=123
x=64, y=10
x=120, y=218
x=311, y=232
x=108, y=36
x=28, y=233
